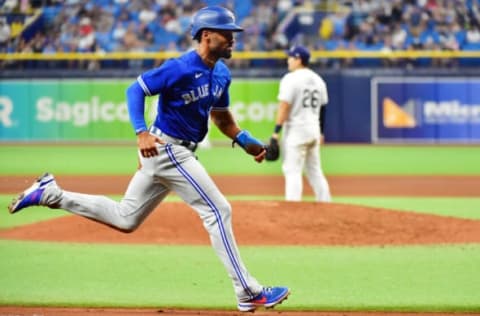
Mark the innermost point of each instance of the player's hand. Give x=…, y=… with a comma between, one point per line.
x=147, y=144
x=261, y=156
x=251, y=145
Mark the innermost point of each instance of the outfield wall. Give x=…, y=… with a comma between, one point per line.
x=365, y=106
x=402, y=107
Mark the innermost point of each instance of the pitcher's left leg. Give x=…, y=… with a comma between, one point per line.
x=292, y=166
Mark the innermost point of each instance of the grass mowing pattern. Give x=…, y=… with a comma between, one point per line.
x=436, y=278
x=336, y=160
x=321, y=278
x=401, y=160
x=67, y=159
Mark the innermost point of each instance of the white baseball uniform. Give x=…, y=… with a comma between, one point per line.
x=306, y=92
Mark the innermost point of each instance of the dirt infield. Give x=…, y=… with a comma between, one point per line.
x=273, y=185
x=280, y=223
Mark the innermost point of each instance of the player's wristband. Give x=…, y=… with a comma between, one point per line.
x=278, y=128
x=243, y=138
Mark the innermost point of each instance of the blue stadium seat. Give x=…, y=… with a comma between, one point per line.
x=105, y=41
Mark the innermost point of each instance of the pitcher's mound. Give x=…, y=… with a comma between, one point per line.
x=267, y=223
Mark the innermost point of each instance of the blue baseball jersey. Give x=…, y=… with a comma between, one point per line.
x=188, y=90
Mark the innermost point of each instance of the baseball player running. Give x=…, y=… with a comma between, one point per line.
x=192, y=87
x=302, y=96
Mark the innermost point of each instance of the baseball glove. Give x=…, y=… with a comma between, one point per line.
x=273, y=150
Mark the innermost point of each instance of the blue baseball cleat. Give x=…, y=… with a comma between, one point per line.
x=268, y=298
x=33, y=195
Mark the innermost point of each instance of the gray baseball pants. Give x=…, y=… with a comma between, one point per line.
x=175, y=168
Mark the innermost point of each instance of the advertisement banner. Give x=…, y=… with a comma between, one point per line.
x=95, y=109
x=425, y=110
x=53, y=110
x=254, y=106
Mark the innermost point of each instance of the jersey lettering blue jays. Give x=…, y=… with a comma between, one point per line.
x=188, y=90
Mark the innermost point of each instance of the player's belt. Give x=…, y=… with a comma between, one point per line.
x=169, y=139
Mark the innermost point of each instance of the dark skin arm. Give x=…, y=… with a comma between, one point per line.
x=226, y=124
x=147, y=144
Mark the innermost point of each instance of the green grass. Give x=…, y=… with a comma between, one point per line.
x=32, y=215
x=336, y=160
x=413, y=278
x=62, y=159
x=321, y=278
x=468, y=208
x=402, y=160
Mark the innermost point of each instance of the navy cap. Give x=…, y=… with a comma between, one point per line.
x=301, y=52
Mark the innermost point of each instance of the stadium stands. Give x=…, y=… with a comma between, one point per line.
x=50, y=26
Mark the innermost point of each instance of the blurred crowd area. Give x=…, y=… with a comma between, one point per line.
x=164, y=25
